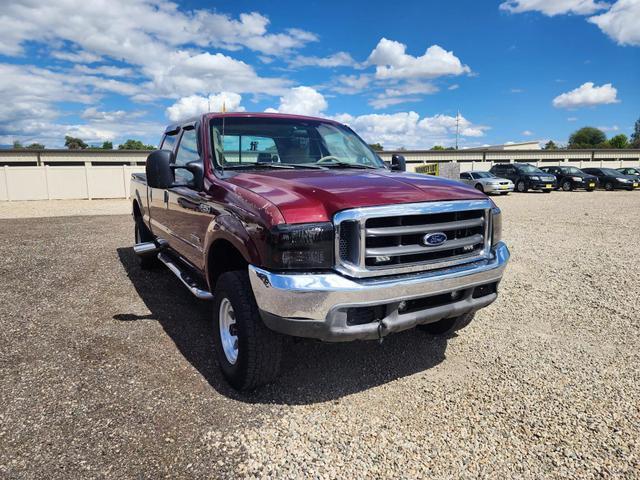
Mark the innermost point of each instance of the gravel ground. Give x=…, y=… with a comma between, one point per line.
x=107, y=370
x=63, y=208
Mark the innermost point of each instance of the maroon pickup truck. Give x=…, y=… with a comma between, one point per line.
x=293, y=226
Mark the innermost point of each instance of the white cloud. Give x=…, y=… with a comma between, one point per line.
x=455, y=86
x=407, y=129
x=527, y=133
x=195, y=105
x=339, y=59
x=105, y=70
x=612, y=128
x=621, y=22
x=392, y=62
x=302, y=101
x=403, y=93
x=554, y=7
x=352, y=84
x=516, y=90
x=587, y=95
x=572, y=119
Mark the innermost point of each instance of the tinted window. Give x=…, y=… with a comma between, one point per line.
x=466, y=176
x=187, y=152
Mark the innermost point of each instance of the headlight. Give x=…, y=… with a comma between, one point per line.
x=302, y=246
x=623, y=180
x=496, y=224
x=534, y=177
x=576, y=179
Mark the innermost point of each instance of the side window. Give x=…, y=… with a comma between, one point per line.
x=169, y=142
x=465, y=176
x=187, y=152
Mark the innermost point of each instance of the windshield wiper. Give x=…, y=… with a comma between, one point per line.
x=349, y=165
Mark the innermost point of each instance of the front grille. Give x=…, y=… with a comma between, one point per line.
x=394, y=239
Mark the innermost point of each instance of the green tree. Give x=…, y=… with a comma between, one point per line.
x=588, y=137
x=376, y=147
x=35, y=146
x=17, y=144
x=437, y=147
x=635, y=136
x=550, y=145
x=107, y=145
x=135, y=145
x=619, y=141
x=73, y=143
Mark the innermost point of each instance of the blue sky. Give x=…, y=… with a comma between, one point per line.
x=397, y=72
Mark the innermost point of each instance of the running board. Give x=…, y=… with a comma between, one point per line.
x=184, y=277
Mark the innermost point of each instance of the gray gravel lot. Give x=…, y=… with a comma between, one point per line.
x=108, y=370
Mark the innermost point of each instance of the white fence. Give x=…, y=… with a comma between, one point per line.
x=66, y=182
x=65, y=174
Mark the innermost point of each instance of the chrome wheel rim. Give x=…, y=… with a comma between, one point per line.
x=228, y=337
x=566, y=186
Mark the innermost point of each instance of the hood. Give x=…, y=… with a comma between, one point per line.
x=304, y=196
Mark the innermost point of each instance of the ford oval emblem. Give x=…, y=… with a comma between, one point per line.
x=434, y=239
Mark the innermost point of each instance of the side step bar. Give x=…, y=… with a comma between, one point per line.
x=184, y=277
x=148, y=248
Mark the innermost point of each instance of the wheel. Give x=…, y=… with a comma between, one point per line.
x=141, y=235
x=567, y=186
x=446, y=327
x=248, y=353
x=521, y=186
x=608, y=186
x=478, y=186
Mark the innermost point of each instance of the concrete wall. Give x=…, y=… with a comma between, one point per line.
x=65, y=174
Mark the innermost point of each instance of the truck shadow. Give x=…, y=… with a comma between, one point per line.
x=312, y=371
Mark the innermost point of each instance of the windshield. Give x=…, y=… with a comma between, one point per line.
x=529, y=169
x=571, y=170
x=612, y=172
x=245, y=142
x=483, y=175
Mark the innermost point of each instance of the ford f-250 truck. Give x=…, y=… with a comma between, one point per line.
x=293, y=226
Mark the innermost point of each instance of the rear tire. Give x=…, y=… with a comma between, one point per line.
x=141, y=235
x=258, y=350
x=608, y=186
x=567, y=186
x=447, y=326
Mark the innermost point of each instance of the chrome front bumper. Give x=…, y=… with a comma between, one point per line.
x=316, y=305
x=496, y=188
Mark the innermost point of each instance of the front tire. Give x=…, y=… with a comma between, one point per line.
x=249, y=354
x=447, y=326
x=608, y=186
x=479, y=187
x=521, y=186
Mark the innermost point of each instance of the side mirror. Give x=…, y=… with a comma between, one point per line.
x=398, y=163
x=158, y=168
x=197, y=170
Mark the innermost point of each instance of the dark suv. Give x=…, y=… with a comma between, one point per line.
x=612, y=179
x=525, y=176
x=630, y=171
x=570, y=178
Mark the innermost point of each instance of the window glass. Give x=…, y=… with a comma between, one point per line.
x=169, y=142
x=466, y=176
x=187, y=152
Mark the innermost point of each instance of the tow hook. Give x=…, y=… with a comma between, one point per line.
x=381, y=328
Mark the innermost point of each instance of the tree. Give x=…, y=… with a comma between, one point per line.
x=550, y=145
x=376, y=147
x=635, y=136
x=73, y=143
x=135, y=145
x=619, y=141
x=107, y=145
x=588, y=137
x=35, y=146
x=437, y=147
x=17, y=144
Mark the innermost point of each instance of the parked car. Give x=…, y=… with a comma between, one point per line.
x=292, y=225
x=525, y=176
x=487, y=182
x=570, y=178
x=612, y=179
x=630, y=171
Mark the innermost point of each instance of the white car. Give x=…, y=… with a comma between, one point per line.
x=487, y=182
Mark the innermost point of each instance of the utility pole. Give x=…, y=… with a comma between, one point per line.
x=457, y=127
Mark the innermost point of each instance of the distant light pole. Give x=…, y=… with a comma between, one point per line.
x=457, y=127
